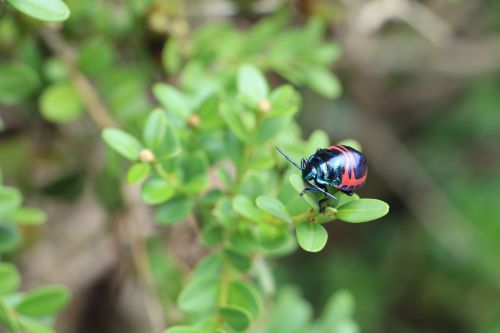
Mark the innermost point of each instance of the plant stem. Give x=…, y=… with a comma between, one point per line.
x=90, y=97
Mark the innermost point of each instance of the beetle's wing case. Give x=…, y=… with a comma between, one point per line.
x=355, y=170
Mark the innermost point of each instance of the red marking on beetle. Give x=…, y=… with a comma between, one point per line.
x=349, y=176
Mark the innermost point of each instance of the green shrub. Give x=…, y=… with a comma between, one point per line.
x=206, y=152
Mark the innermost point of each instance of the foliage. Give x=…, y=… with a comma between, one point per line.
x=222, y=117
x=254, y=209
x=30, y=311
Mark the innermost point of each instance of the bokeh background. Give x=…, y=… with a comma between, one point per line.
x=420, y=91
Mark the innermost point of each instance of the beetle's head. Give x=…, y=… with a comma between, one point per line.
x=308, y=172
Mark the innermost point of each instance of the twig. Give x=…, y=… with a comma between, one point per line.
x=95, y=107
x=101, y=117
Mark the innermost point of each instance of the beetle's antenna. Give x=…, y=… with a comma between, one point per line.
x=288, y=158
x=322, y=191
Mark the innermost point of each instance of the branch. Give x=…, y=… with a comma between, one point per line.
x=93, y=103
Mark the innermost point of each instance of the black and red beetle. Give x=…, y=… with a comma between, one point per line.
x=341, y=167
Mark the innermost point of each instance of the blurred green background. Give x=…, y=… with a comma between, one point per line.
x=420, y=91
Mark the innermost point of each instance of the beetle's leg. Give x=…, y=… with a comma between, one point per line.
x=312, y=189
x=349, y=193
x=323, y=201
x=315, y=188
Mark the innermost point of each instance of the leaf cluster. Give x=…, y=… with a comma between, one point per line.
x=249, y=206
x=34, y=310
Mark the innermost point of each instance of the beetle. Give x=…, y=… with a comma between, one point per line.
x=339, y=166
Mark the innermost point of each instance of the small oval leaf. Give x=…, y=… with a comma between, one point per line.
x=154, y=129
x=312, y=237
x=174, y=211
x=138, y=172
x=245, y=295
x=246, y=208
x=362, y=210
x=43, y=301
x=8, y=317
x=45, y=10
x=200, y=294
x=156, y=190
x=123, y=143
x=274, y=207
x=60, y=103
x=10, y=199
x=18, y=82
x=252, y=84
x=27, y=215
x=9, y=278
x=236, y=317
x=298, y=184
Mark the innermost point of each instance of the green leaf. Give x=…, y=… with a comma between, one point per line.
x=246, y=208
x=253, y=184
x=298, y=184
x=208, y=112
x=211, y=265
x=9, y=278
x=60, y=103
x=184, y=329
x=174, y=211
x=55, y=70
x=274, y=207
x=236, y=317
x=170, y=146
x=44, y=301
x=244, y=239
x=271, y=237
x=338, y=307
x=271, y=127
x=200, y=294
x=123, y=143
x=97, y=56
x=284, y=101
x=138, y=172
x=10, y=237
x=171, y=56
x=343, y=198
x=223, y=211
x=172, y=101
x=312, y=237
x=362, y=210
x=318, y=139
x=45, y=10
x=238, y=260
x=8, y=317
x=154, y=129
x=326, y=54
x=18, y=82
x=291, y=313
x=10, y=199
x=156, y=190
x=233, y=117
x=27, y=215
x=195, y=172
x=244, y=295
x=212, y=234
x=323, y=82
x=34, y=326
x=252, y=84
